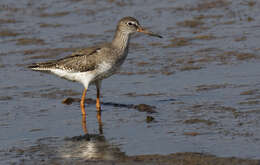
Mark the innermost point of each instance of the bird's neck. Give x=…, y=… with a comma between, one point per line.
x=121, y=40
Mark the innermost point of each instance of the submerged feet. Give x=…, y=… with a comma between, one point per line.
x=84, y=123
x=98, y=106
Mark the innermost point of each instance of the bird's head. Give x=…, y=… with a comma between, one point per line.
x=131, y=25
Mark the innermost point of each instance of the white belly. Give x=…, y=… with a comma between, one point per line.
x=84, y=77
x=103, y=70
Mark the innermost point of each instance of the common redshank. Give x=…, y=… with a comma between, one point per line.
x=92, y=65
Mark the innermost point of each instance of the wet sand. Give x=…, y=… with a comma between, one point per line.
x=95, y=149
x=189, y=98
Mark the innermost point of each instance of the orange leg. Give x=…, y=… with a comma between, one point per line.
x=82, y=102
x=84, y=124
x=99, y=122
x=98, y=106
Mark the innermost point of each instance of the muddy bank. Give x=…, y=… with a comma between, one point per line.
x=176, y=159
x=95, y=149
x=42, y=155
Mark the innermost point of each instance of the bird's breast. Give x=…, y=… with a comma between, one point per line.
x=105, y=70
x=110, y=65
x=104, y=67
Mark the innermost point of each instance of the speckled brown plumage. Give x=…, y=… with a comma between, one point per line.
x=76, y=62
x=91, y=65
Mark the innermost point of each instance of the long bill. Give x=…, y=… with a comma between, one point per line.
x=142, y=30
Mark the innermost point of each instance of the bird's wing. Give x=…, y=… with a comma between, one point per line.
x=81, y=61
x=86, y=51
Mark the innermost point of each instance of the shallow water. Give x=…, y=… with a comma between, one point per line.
x=202, y=77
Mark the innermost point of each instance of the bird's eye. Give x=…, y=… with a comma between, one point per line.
x=129, y=23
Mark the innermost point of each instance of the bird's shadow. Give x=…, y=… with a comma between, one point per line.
x=139, y=107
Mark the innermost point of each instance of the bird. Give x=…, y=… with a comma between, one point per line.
x=93, y=64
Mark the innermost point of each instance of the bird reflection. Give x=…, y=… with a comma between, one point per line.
x=90, y=146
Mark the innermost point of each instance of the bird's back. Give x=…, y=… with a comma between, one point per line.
x=80, y=61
